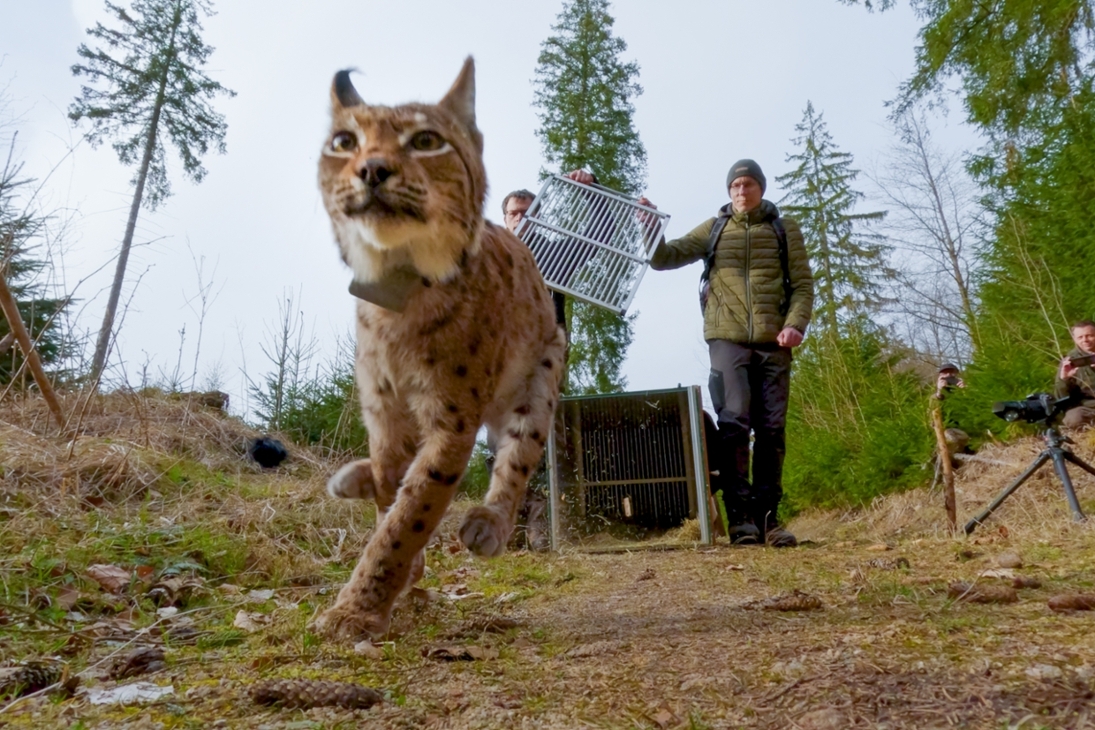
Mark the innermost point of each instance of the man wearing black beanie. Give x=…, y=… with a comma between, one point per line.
x=757, y=297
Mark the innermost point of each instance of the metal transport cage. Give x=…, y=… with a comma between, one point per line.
x=629, y=470
x=591, y=242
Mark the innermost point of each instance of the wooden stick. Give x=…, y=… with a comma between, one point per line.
x=15, y=321
x=944, y=463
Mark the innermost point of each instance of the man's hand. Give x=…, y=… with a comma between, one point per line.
x=581, y=176
x=1067, y=369
x=647, y=219
x=942, y=382
x=789, y=337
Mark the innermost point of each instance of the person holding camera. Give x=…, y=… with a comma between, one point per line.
x=756, y=307
x=947, y=382
x=1076, y=376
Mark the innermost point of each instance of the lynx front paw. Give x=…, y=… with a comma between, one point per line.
x=485, y=532
x=353, y=481
x=344, y=622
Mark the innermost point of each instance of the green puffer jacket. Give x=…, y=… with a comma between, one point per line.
x=747, y=279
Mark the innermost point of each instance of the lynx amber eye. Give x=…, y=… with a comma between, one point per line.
x=343, y=142
x=427, y=141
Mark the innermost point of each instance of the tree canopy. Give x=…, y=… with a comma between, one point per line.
x=583, y=92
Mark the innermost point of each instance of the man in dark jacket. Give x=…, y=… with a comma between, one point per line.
x=1076, y=375
x=750, y=328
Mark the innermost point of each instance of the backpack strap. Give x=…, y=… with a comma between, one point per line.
x=713, y=242
x=781, y=236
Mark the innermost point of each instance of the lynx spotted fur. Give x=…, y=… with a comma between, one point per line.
x=475, y=341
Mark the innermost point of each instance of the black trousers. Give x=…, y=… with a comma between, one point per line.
x=749, y=390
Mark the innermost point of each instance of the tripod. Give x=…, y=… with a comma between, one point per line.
x=1059, y=453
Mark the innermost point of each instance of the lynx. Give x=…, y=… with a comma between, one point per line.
x=455, y=329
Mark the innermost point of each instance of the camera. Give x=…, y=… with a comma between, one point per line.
x=1035, y=408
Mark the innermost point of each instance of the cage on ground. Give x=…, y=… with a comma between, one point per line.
x=629, y=470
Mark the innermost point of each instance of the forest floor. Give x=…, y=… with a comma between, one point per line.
x=149, y=550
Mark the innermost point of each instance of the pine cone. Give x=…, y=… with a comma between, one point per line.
x=307, y=693
x=31, y=677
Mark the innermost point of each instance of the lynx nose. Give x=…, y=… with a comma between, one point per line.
x=375, y=171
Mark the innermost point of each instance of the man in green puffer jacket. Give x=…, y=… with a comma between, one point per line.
x=750, y=327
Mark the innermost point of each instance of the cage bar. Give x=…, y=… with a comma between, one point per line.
x=590, y=242
x=628, y=470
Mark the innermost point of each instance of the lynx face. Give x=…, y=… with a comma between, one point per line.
x=404, y=185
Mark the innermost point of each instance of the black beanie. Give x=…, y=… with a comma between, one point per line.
x=746, y=168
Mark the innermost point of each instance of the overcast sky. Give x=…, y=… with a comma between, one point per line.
x=722, y=79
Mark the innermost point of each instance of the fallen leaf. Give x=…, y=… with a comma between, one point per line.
x=144, y=660
x=145, y=573
x=663, y=718
x=1006, y=573
x=68, y=597
x=647, y=574
x=112, y=578
x=250, y=622
x=1073, y=602
x=259, y=596
x=129, y=694
x=452, y=653
x=734, y=566
x=174, y=590
x=482, y=652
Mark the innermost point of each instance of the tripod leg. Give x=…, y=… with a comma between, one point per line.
x=1059, y=456
x=1080, y=462
x=973, y=523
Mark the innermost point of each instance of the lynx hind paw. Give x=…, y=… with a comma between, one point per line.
x=353, y=481
x=485, y=532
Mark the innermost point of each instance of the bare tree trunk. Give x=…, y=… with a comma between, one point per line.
x=15, y=321
x=102, y=345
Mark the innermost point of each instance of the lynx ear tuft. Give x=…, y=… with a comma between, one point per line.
x=343, y=92
x=460, y=100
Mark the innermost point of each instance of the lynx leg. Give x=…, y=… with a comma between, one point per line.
x=364, y=605
x=522, y=436
x=392, y=444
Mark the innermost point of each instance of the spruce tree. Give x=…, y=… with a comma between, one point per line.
x=855, y=423
x=584, y=93
x=22, y=229
x=146, y=86
x=849, y=260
